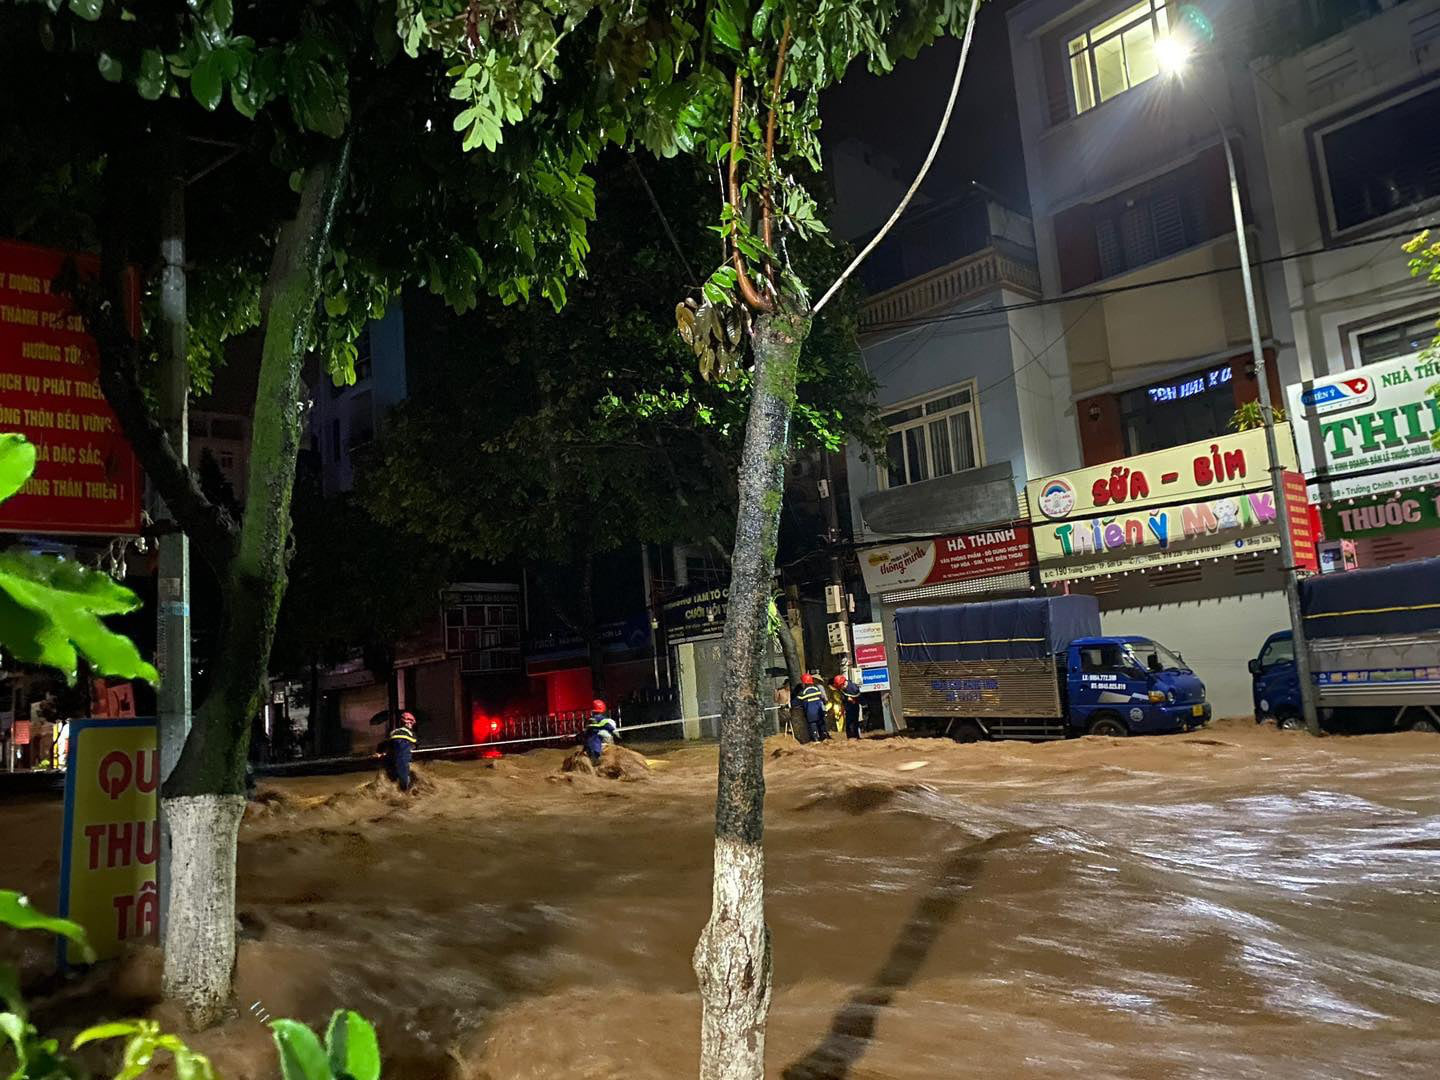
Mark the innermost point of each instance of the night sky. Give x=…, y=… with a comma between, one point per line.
x=983, y=143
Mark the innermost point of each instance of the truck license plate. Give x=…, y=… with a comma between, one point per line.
x=1197, y=710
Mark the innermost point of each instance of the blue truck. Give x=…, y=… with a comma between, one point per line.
x=1374, y=646
x=1037, y=669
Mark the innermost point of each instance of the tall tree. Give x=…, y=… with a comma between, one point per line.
x=752, y=105
x=359, y=104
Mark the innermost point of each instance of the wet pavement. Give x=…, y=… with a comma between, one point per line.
x=1239, y=902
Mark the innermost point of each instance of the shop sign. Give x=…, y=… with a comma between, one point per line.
x=86, y=478
x=111, y=837
x=945, y=559
x=697, y=615
x=1153, y=537
x=1377, y=515
x=1208, y=469
x=1369, y=431
x=1304, y=526
x=869, y=655
x=874, y=679
x=1191, y=386
x=868, y=633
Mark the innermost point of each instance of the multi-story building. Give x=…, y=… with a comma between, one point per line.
x=967, y=382
x=226, y=438
x=345, y=418
x=1353, y=154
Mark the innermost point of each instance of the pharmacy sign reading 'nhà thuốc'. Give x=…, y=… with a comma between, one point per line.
x=1368, y=431
x=1197, y=501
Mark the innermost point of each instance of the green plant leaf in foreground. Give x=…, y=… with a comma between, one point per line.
x=50, y=614
x=17, y=462
x=353, y=1048
x=16, y=912
x=301, y=1055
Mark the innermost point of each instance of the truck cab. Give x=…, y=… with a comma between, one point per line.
x=1274, y=683
x=1131, y=686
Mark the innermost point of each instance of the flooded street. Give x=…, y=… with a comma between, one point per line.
x=1235, y=903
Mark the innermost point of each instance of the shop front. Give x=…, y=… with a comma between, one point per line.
x=987, y=564
x=1366, y=445
x=1180, y=545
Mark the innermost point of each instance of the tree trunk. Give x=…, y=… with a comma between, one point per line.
x=787, y=645
x=732, y=959
x=207, y=788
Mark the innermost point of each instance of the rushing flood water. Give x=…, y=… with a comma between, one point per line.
x=1236, y=903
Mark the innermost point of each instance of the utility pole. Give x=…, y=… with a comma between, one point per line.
x=837, y=602
x=1174, y=61
x=172, y=652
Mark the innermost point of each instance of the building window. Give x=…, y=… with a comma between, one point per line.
x=1187, y=409
x=1155, y=224
x=1117, y=54
x=1402, y=339
x=931, y=438
x=227, y=460
x=1384, y=162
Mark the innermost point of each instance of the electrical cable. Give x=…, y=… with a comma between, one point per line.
x=1100, y=294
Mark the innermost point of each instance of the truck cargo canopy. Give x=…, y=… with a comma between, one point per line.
x=1028, y=629
x=1400, y=599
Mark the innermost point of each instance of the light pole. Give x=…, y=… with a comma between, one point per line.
x=1174, y=57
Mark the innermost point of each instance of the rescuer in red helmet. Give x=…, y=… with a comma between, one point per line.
x=600, y=732
x=850, y=702
x=398, y=746
x=812, y=697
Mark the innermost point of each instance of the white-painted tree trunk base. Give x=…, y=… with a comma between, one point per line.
x=200, y=927
x=732, y=962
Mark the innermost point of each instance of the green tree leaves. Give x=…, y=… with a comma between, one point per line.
x=50, y=609
x=351, y=1051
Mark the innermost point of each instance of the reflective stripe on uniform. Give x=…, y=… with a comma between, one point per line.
x=403, y=734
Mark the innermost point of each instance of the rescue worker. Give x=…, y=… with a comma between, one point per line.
x=812, y=697
x=399, y=744
x=850, y=702
x=600, y=732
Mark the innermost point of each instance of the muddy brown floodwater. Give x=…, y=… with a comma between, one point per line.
x=1234, y=903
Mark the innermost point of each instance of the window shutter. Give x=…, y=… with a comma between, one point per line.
x=1137, y=236
x=1057, y=79
x=1169, y=224
x=1112, y=261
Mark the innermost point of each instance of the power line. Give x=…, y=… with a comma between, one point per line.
x=1100, y=294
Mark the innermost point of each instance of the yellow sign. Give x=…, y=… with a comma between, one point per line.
x=112, y=833
x=1211, y=469
x=1132, y=541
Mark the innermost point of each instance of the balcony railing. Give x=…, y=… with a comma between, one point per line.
x=961, y=280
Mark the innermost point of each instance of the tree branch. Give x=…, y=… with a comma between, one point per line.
x=751, y=295
x=765, y=198
x=103, y=307
x=920, y=176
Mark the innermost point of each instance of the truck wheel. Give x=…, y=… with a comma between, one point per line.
x=1425, y=722
x=1112, y=726
x=1289, y=720
x=967, y=731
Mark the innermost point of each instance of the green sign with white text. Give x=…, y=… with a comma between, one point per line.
x=1369, y=431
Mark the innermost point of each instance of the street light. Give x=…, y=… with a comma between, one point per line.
x=1174, y=55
